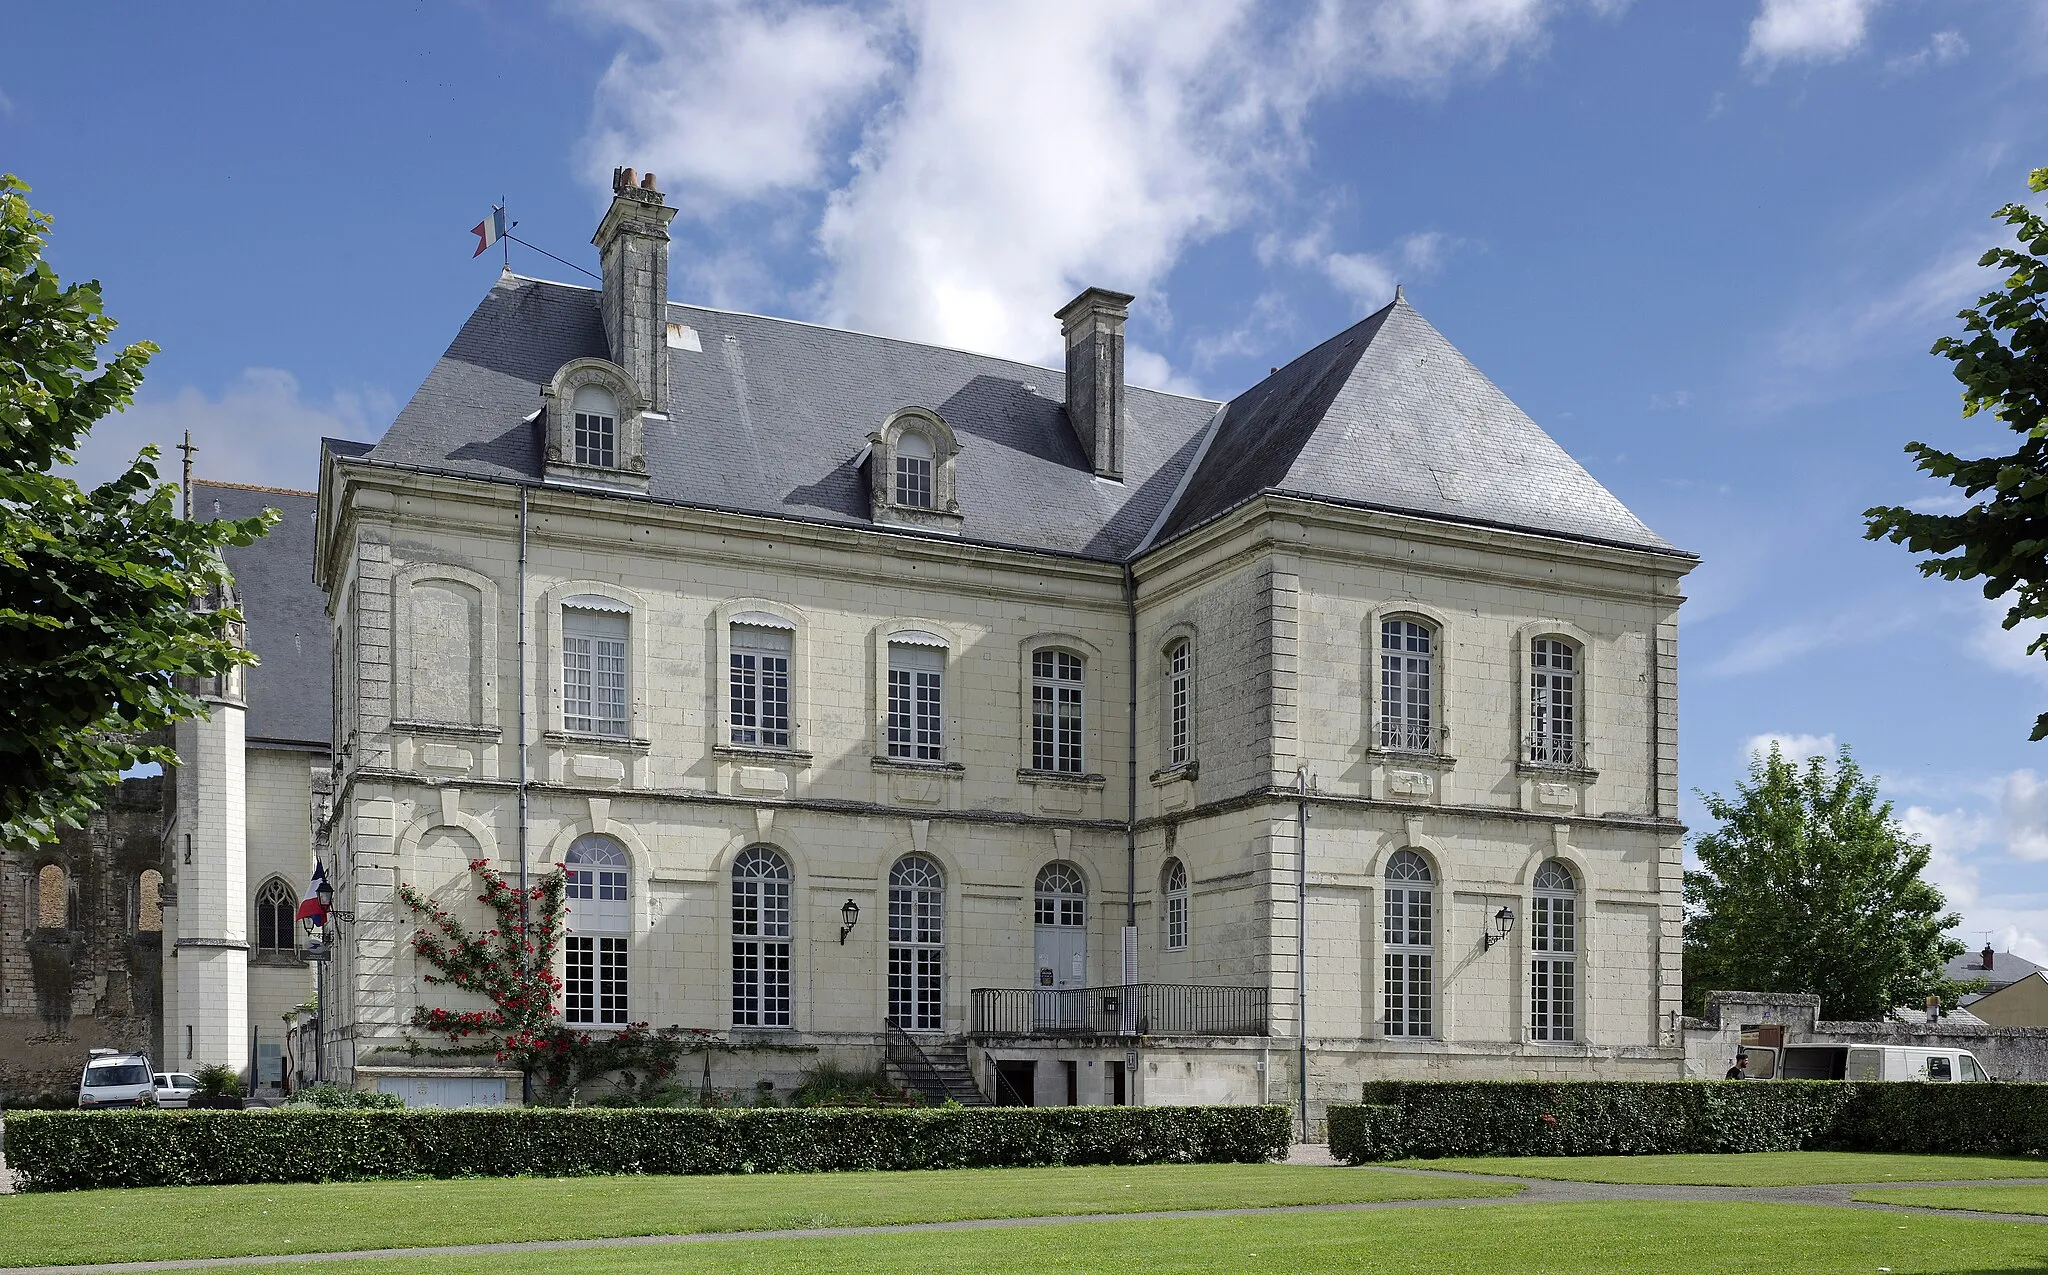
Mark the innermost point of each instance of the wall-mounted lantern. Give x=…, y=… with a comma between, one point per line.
x=849, y=916
x=1503, y=921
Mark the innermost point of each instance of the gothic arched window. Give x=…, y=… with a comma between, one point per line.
x=277, y=907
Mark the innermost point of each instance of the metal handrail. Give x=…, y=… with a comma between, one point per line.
x=1137, y=1009
x=907, y=1054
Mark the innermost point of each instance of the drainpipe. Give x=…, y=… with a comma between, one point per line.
x=1130, y=935
x=525, y=1079
x=1301, y=783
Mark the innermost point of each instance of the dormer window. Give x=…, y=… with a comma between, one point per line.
x=596, y=427
x=914, y=470
x=593, y=419
x=909, y=465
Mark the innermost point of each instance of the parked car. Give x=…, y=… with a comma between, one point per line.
x=1862, y=1062
x=175, y=1088
x=115, y=1079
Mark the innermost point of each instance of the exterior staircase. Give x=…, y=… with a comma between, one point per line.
x=937, y=1073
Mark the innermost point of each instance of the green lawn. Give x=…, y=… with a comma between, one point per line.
x=1760, y=1168
x=227, y=1221
x=1641, y=1238
x=2026, y=1198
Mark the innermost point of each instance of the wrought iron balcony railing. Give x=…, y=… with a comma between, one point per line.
x=1138, y=1009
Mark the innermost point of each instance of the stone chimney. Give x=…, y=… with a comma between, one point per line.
x=632, y=245
x=1093, y=324
x=1988, y=955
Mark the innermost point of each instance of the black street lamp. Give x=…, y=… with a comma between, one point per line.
x=849, y=916
x=1503, y=921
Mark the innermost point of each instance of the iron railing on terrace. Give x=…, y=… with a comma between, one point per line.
x=1138, y=1009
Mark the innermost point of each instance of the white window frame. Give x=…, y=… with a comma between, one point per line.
x=595, y=434
x=762, y=933
x=1554, y=953
x=914, y=725
x=1059, y=896
x=1554, y=671
x=596, y=988
x=1408, y=932
x=1180, y=703
x=1059, y=683
x=1409, y=681
x=758, y=685
x=916, y=463
x=917, y=944
x=597, y=684
x=1176, y=891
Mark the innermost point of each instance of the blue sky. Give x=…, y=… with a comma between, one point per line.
x=1705, y=245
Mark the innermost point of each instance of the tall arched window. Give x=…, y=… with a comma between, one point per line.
x=53, y=898
x=1180, y=704
x=914, y=470
x=1407, y=686
x=149, y=901
x=760, y=939
x=1176, y=905
x=1553, y=702
x=277, y=908
x=599, y=919
x=1554, y=953
x=917, y=944
x=1056, y=711
x=597, y=427
x=1411, y=946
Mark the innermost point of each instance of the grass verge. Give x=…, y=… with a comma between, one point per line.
x=1638, y=1237
x=1758, y=1168
x=230, y=1221
x=2001, y=1198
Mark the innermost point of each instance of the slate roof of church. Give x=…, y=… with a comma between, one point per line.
x=772, y=414
x=290, y=690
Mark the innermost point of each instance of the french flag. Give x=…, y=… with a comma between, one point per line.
x=310, y=907
x=488, y=231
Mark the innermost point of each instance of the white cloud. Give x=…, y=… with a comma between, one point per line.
x=1008, y=154
x=1941, y=49
x=1952, y=837
x=2002, y=648
x=1794, y=748
x=258, y=430
x=6, y=106
x=1772, y=648
x=730, y=101
x=2024, y=813
x=1806, y=31
x=1889, y=320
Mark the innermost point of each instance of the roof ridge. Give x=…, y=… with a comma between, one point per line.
x=280, y=491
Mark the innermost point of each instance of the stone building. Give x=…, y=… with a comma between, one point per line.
x=165, y=925
x=1112, y=742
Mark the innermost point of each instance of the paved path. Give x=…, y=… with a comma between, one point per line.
x=1535, y=1191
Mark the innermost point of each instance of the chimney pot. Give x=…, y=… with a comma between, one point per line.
x=647, y=182
x=622, y=178
x=1093, y=324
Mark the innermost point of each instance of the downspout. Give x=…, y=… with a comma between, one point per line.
x=1131, y=821
x=1301, y=932
x=525, y=1078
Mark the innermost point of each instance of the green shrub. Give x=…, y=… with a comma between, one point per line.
x=63, y=1150
x=829, y=1085
x=342, y=1098
x=217, y=1080
x=1429, y=1119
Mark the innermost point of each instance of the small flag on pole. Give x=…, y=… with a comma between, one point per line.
x=310, y=907
x=488, y=231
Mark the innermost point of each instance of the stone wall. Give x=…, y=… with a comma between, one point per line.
x=80, y=971
x=2007, y=1053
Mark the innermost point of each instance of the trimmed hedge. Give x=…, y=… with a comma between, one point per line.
x=1430, y=1119
x=59, y=1151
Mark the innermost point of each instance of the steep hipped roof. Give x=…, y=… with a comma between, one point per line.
x=290, y=689
x=770, y=416
x=1390, y=415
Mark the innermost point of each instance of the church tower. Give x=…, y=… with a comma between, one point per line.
x=206, y=975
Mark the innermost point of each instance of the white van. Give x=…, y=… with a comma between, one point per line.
x=115, y=1079
x=1862, y=1062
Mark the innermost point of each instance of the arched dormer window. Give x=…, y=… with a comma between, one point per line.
x=910, y=464
x=592, y=414
x=595, y=432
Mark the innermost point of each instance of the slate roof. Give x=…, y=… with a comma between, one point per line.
x=2006, y=969
x=770, y=416
x=290, y=690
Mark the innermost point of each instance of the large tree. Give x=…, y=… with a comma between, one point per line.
x=2002, y=361
x=97, y=588
x=1809, y=885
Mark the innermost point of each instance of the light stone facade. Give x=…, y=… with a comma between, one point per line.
x=444, y=680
